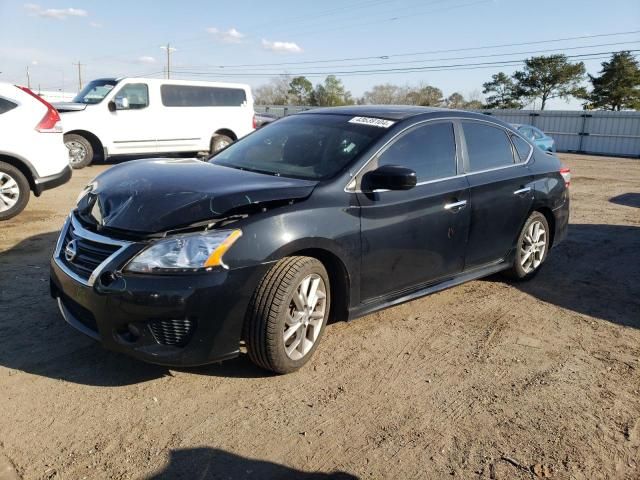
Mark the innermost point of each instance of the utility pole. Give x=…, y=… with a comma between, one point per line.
x=79, y=65
x=28, y=78
x=168, y=49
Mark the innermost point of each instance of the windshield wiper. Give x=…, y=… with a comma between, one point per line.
x=255, y=170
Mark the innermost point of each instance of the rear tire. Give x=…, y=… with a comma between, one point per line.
x=287, y=314
x=80, y=150
x=532, y=248
x=218, y=142
x=14, y=191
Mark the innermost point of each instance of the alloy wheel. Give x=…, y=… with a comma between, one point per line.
x=9, y=192
x=305, y=316
x=533, y=248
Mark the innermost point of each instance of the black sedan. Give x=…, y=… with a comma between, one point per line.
x=331, y=213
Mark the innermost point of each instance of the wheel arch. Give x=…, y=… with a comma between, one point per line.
x=92, y=138
x=24, y=166
x=551, y=221
x=340, y=282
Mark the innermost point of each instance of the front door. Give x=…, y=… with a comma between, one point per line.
x=417, y=236
x=501, y=194
x=132, y=126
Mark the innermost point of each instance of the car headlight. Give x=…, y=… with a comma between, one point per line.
x=189, y=252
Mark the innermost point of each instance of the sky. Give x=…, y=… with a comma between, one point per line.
x=254, y=41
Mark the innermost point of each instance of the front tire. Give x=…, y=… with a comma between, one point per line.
x=14, y=191
x=80, y=151
x=532, y=248
x=287, y=314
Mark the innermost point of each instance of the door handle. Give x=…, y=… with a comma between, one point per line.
x=522, y=191
x=456, y=206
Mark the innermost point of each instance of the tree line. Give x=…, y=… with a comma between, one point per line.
x=616, y=87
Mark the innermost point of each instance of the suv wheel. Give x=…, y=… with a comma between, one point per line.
x=533, y=246
x=287, y=314
x=14, y=191
x=80, y=150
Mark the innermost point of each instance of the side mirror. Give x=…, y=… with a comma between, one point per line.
x=389, y=177
x=122, y=103
x=111, y=106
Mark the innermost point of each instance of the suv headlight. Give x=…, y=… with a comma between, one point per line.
x=189, y=252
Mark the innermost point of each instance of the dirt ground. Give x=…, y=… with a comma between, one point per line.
x=488, y=380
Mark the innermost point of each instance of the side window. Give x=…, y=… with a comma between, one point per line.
x=196, y=96
x=6, y=105
x=132, y=96
x=429, y=150
x=522, y=147
x=487, y=146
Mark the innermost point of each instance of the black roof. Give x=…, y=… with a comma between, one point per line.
x=389, y=112
x=399, y=113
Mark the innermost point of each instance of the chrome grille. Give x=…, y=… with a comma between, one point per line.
x=80, y=253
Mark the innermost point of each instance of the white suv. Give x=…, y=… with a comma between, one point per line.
x=33, y=157
x=143, y=116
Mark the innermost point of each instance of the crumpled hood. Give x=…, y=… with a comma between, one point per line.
x=151, y=196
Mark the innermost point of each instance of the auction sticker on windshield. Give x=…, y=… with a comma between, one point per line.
x=374, y=122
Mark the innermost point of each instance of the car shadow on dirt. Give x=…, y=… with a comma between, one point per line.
x=212, y=463
x=595, y=271
x=627, y=199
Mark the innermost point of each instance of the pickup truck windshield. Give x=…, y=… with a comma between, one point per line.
x=95, y=91
x=307, y=146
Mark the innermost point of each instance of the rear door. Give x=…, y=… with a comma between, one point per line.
x=413, y=237
x=501, y=193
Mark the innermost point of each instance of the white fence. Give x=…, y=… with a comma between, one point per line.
x=595, y=132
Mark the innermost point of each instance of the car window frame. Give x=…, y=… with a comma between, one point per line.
x=354, y=183
x=371, y=164
x=122, y=87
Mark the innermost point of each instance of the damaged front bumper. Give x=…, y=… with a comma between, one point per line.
x=174, y=320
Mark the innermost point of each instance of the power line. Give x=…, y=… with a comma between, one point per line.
x=461, y=66
x=441, y=59
x=426, y=52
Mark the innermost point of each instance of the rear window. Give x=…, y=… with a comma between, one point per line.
x=197, y=96
x=487, y=146
x=308, y=146
x=6, y=105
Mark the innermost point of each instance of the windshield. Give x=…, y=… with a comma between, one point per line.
x=95, y=91
x=308, y=146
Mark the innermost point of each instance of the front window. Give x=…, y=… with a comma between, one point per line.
x=133, y=96
x=95, y=91
x=308, y=146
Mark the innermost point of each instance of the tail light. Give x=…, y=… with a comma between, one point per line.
x=255, y=122
x=50, y=123
x=566, y=174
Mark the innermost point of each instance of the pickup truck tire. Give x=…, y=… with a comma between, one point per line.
x=14, y=191
x=287, y=314
x=80, y=150
x=218, y=142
